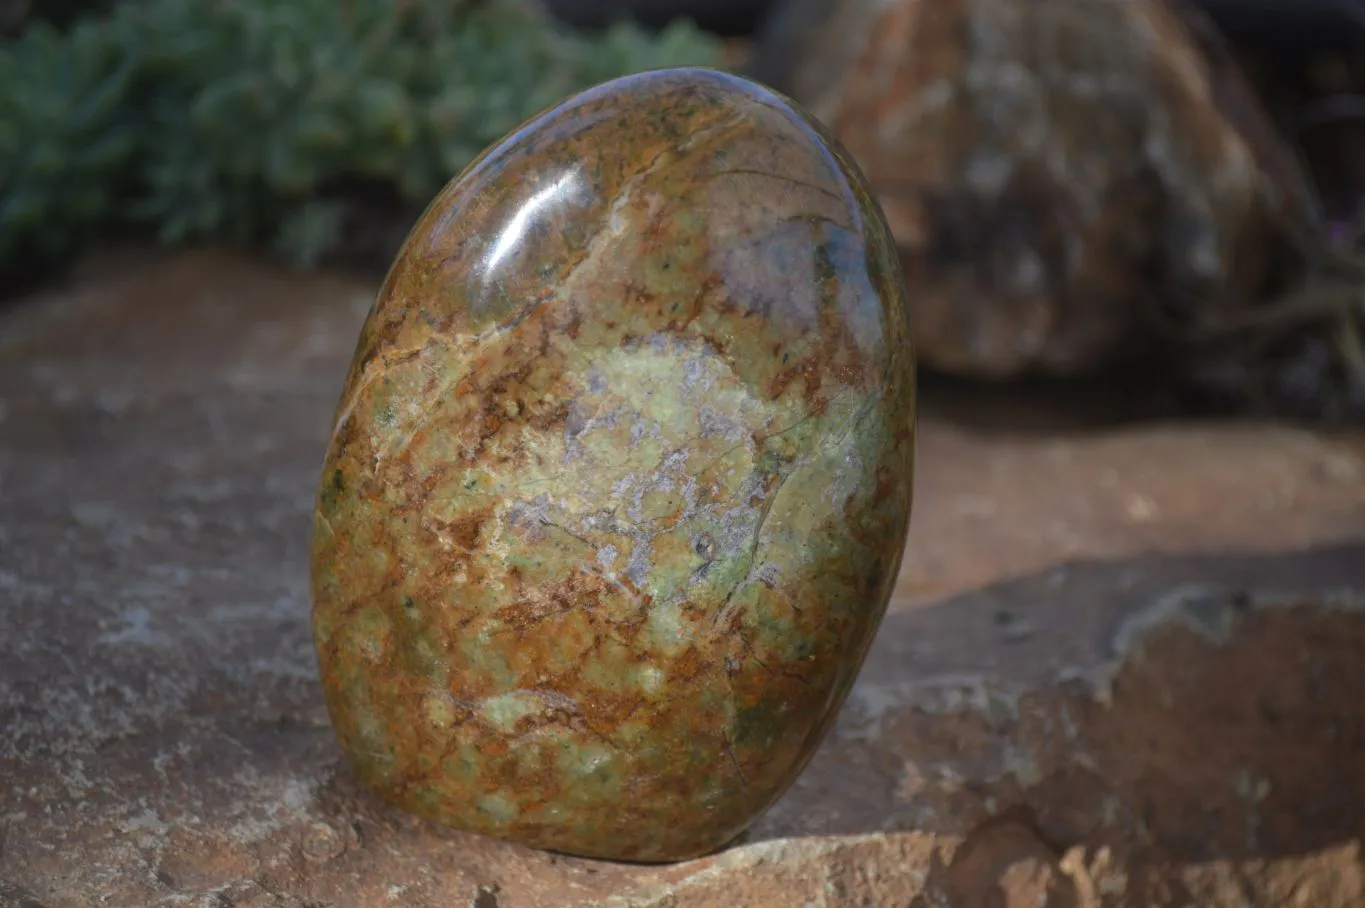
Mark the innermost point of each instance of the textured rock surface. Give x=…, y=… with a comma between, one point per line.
x=1069, y=703
x=1072, y=183
x=621, y=475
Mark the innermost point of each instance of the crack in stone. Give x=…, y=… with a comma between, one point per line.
x=568, y=532
x=734, y=758
x=759, y=440
x=743, y=171
x=432, y=403
x=753, y=654
x=722, y=612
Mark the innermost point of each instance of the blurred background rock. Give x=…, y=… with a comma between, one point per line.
x=1083, y=185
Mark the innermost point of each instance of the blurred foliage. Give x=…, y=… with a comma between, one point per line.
x=16, y=15
x=250, y=121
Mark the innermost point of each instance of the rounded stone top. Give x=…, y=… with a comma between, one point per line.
x=690, y=174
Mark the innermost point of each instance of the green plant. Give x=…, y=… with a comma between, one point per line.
x=260, y=121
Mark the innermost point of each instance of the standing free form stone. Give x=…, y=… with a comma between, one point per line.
x=621, y=475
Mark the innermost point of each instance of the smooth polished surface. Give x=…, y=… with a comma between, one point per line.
x=621, y=475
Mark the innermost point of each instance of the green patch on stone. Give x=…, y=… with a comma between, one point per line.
x=367, y=634
x=368, y=744
x=324, y=628
x=438, y=711
x=505, y=711
x=800, y=648
x=760, y=726
x=333, y=490
x=484, y=658
x=667, y=630
x=425, y=656
x=498, y=807
x=788, y=444
x=657, y=504
x=592, y=770
x=428, y=799
x=464, y=765
x=650, y=679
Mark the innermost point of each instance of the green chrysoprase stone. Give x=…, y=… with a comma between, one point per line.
x=620, y=476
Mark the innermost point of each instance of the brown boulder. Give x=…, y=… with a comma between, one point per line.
x=1072, y=183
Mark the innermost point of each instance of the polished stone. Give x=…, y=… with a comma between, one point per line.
x=620, y=476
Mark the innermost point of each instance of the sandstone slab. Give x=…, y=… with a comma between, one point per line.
x=1122, y=665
